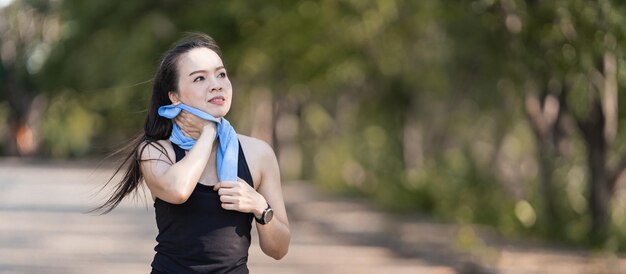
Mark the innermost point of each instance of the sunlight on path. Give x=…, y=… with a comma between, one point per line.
x=43, y=229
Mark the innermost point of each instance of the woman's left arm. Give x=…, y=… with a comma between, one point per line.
x=274, y=236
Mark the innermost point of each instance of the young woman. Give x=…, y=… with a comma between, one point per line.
x=208, y=183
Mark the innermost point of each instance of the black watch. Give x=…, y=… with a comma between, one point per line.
x=266, y=217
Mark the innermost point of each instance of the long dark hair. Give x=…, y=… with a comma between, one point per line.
x=155, y=127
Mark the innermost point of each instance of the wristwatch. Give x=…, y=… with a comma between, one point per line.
x=266, y=217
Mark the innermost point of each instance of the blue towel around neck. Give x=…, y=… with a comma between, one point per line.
x=228, y=149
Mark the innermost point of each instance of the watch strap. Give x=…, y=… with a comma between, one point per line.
x=262, y=219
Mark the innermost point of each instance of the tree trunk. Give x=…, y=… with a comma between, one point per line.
x=547, y=156
x=599, y=192
x=543, y=116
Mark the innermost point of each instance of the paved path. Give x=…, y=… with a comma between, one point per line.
x=43, y=230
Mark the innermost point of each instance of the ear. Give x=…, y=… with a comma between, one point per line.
x=173, y=97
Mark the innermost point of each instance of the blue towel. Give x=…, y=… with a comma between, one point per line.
x=228, y=150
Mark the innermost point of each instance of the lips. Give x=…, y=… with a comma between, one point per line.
x=217, y=100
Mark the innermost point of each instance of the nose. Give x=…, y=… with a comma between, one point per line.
x=215, y=86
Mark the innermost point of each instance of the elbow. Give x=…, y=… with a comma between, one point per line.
x=173, y=190
x=177, y=196
x=281, y=254
x=279, y=251
x=179, y=192
x=178, y=199
x=278, y=254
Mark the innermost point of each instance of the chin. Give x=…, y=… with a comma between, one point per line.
x=217, y=113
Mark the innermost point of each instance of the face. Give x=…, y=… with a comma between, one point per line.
x=203, y=83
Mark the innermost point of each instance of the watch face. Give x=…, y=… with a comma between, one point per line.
x=269, y=214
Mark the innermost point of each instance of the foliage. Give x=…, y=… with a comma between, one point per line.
x=419, y=105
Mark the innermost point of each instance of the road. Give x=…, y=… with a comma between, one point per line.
x=44, y=229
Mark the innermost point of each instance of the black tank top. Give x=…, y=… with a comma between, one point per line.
x=199, y=236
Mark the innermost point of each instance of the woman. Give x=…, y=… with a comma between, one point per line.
x=204, y=217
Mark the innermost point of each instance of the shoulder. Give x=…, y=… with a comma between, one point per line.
x=255, y=147
x=259, y=154
x=150, y=150
x=261, y=159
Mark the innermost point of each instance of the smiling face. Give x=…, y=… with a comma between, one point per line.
x=203, y=83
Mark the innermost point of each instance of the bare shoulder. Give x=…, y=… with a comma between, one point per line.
x=150, y=150
x=260, y=157
x=255, y=148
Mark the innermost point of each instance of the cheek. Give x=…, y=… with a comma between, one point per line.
x=228, y=86
x=190, y=91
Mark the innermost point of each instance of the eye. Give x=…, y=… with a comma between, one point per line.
x=199, y=78
x=221, y=75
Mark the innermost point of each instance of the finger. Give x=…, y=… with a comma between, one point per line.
x=224, y=184
x=188, y=117
x=184, y=115
x=226, y=191
x=228, y=206
x=178, y=121
x=182, y=124
x=185, y=132
x=225, y=199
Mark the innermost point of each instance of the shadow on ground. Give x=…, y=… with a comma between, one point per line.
x=43, y=229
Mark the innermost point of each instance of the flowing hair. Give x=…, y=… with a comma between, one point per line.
x=155, y=127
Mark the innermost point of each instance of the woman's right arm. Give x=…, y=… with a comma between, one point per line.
x=173, y=181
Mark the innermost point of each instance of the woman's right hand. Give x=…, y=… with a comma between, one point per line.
x=193, y=126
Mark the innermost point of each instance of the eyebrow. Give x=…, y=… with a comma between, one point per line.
x=202, y=70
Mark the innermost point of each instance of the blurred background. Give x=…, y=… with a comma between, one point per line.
x=503, y=114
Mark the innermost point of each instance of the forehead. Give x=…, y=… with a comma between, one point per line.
x=199, y=59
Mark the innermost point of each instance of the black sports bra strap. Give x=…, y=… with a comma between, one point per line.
x=180, y=153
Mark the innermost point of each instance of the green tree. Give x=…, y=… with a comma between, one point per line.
x=419, y=105
x=29, y=30
x=565, y=57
